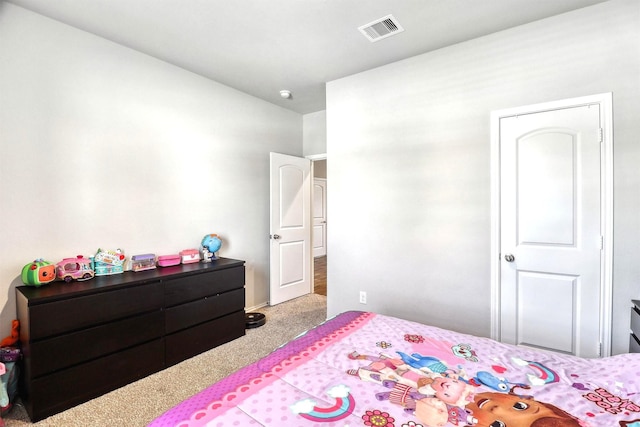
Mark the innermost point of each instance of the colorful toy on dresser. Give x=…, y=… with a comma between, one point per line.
x=78, y=268
x=109, y=262
x=210, y=244
x=190, y=255
x=143, y=262
x=38, y=272
x=105, y=262
x=168, y=260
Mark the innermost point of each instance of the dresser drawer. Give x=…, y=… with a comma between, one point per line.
x=634, y=344
x=635, y=320
x=63, y=351
x=194, y=287
x=76, y=313
x=634, y=339
x=190, y=342
x=205, y=309
x=63, y=389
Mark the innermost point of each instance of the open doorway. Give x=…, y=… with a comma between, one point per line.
x=319, y=209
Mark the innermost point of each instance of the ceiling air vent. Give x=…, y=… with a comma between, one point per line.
x=381, y=28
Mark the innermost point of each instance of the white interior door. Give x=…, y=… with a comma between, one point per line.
x=290, y=228
x=551, y=236
x=319, y=217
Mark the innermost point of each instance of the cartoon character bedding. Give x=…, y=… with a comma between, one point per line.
x=366, y=369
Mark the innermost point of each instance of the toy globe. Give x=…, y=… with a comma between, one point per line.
x=211, y=244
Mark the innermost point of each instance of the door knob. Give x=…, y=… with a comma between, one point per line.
x=275, y=236
x=509, y=258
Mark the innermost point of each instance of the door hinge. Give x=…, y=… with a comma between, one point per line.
x=601, y=243
x=600, y=135
x=599, y=349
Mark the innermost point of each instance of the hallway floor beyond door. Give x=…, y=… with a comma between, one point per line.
x=320, y=275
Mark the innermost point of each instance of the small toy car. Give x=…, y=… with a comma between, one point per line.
x=79, y=268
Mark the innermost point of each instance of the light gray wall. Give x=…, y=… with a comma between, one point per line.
x=409, y=145
x=102, y=146
x=315, y=133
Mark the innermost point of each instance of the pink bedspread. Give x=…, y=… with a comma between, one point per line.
x=365, y=369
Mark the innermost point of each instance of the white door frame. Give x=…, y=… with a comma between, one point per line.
x=605, y=102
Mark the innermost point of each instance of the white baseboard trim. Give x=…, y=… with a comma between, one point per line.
x=255, y=307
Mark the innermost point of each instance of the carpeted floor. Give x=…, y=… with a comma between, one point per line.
x=139, y=403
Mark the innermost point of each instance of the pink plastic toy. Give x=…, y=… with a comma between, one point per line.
x=190, y=255
x=168, y=260
x=78, y=268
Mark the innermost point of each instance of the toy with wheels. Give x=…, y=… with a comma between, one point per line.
x=38, y=272
x=79, y=268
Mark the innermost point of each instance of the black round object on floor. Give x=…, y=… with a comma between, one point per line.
x=254, y=320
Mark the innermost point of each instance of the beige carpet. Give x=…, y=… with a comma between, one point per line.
x=139, y=403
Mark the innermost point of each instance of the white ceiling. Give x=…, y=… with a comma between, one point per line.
x=262, y=46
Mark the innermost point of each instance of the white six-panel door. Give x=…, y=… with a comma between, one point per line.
x=551, y=236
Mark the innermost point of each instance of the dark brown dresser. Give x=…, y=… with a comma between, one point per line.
x=634, y=338
x=83, y=339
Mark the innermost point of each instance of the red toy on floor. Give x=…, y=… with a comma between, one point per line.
x=12, y=339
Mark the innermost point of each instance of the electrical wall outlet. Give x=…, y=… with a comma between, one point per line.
x=363, y=297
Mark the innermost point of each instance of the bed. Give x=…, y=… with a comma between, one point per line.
x=367, y=369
